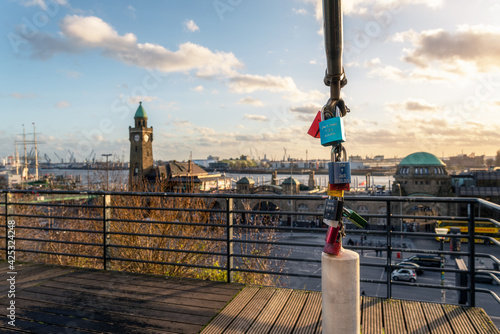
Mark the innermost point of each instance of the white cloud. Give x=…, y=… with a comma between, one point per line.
x=299, y=11
x=414, y=105
x=198, y=88
x=468, y=49
x=251, y=101
x=62, y=104
x=260, y=118
x=309, y=109
x=80, y=33
x=191, y=26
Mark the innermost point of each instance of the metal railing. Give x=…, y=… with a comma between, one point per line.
x=229, y=234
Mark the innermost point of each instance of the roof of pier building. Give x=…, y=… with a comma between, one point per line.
x=421, y=159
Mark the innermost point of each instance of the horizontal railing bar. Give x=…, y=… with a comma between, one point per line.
x=56, y=229
x=166, y=263
x=164, y=209
x=294, y=259
x=274, y=273
x=61, y=242
x=166, y=250
x=275, y=243
x=164, y=222
x=54, y=217
x=57, y=205
x=165, y=236
x=57, y=253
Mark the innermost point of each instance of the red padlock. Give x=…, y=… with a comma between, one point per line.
x=333, y=245
x=314, y=129
x=340, y=186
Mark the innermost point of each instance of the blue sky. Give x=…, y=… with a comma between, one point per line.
x=224, y=77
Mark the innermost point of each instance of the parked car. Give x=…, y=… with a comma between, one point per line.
x=482, y=276
x=411, y=265
x=404, y=274
x=425, y=260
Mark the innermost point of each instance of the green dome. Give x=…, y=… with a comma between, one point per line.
x=140, y=113
x=290, y=180
x=245, y=180
x=421, y=159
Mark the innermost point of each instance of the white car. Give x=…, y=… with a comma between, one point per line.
x=404, y=274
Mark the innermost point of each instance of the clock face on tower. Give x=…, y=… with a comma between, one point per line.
x=137, y=137
x=146, y=138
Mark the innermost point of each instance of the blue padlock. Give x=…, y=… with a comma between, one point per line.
x=339, y=172
x=332, y=131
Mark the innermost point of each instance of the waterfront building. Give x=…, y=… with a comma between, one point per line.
x=141, y=147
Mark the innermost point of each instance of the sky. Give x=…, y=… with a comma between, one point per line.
x=245, y=77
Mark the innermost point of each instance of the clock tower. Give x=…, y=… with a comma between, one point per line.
x=141, y=147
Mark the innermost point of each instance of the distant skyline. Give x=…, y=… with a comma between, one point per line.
x=223, y=77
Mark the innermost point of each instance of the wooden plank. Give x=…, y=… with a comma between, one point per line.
x=31, y=275
x=154, y=280
x=436, y=318
x=271, y=311
x=288, y=317
x=310, y=316
x=319, y=329
x=148, y=309
x=189, y=297
x=393, y=317
x=371, y=316
x=414, y=317
x=230, y=312
x=480, y=320
x=76, y=311
x=250, y=312
x=458, y=319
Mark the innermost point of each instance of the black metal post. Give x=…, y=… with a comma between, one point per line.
x=389, y=249
x=105, y=229
x=229, y=240
x=472, y=254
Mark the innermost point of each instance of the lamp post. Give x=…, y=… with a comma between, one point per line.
x=107, y=169
x=442, y=231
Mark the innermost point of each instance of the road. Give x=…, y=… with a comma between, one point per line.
x=485, y=301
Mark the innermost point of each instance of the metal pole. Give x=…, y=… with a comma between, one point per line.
x=105, y=229
x=389, y=250
x=472, y=254
x=443, y=291
x=229, y=239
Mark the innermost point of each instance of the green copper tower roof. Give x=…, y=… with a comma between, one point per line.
x=140, y=113
x=421, y=159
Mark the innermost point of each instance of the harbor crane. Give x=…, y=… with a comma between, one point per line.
x=47, y=159
x=58, y=157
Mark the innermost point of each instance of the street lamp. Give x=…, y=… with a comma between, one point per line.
x=442, y=231
x=107, y=169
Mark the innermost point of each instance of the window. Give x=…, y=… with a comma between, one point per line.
x=302, y=207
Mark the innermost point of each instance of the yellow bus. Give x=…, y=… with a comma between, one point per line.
x=482, y=228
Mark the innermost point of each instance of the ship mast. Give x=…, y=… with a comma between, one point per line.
x=36, y=152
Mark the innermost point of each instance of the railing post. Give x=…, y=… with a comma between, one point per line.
x=389, y=249
x=472, y=254
x=105, y=229
x=229, y=240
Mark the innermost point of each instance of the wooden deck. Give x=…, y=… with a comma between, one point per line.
x=51, y=299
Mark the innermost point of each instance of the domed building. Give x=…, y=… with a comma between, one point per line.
x=245, y=185
x=291, y=186
x=422, y=174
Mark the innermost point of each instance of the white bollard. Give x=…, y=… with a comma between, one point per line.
x=340, y=293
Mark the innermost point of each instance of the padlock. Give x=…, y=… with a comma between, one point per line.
x=335, y=193
x=331, y=130
x=333, y=210
x=339, y=172
x=354, y=217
